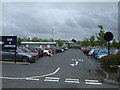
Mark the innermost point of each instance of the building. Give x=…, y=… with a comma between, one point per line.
x=39, y=44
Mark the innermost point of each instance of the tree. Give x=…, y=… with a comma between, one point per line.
x=85, y=43
x=19, y=40
x=100, y=37
x=60, y=43
x=114, y=43
x=92, y=39
x=73, y=40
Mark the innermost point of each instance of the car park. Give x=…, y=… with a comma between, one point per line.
x=9, y=55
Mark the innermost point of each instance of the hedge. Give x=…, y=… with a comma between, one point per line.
x=111, y=60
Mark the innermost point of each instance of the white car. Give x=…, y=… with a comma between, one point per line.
x=91, y=52
x=47, y=52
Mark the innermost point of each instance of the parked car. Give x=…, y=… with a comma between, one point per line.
x=40, y=50
x=9, y=55
x=28, y=51
x=91, y=51
x=87, y=50
x=116, y=52
x=101, y=53
x=33, y=49
x=59, y=49
x=95, y=52
x=54, y=49
x=47, y=51
x=64, y=47
x=83, y=49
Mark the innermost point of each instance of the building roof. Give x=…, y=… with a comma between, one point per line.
x=53, y=43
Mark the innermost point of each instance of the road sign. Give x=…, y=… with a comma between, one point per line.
x=8, y=42
x=108, y=36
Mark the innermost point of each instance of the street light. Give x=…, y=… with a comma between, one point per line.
x=52, y=34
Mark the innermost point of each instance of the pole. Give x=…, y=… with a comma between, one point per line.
x=15, y=55
x=52, y=34
x=108, y=47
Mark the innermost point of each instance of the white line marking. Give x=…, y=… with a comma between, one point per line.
x=72, y=64
x=93, y=83
x=46, y=74
x=91, y=80
x=76, y=63
x=31, y=78
x=72, y=79
x=51, y=80
x=69, y=80
x=10, y=78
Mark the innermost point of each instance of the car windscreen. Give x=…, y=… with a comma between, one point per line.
x=19, y=50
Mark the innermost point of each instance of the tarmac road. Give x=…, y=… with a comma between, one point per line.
x=70, y=69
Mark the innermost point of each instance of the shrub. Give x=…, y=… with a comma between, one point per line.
x=111, y=60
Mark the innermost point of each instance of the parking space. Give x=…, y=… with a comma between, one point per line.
x=53, y=72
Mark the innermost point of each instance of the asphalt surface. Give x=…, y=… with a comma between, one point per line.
x=69, y=69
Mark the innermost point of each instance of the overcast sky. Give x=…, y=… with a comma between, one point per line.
x=69, y=20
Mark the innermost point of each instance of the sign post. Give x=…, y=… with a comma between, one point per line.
x=108, y=37
x=9, y=42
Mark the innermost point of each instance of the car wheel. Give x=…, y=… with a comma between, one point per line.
x=25, y=59
x=45, y=54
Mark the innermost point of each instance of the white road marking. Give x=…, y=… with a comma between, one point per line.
x=10, y=78
x=76, y=63
x=52, y=79
x=69, y=80
x=80, y=60
x=95, y=82
x=31, y=78
x=72, y=64
x=91, y=80
x=72, y=79
x=46, y=74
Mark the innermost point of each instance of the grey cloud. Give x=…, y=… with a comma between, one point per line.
x=69, y=20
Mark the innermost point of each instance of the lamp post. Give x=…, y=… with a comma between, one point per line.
x=52, y=34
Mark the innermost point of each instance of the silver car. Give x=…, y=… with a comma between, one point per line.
x=9, y=55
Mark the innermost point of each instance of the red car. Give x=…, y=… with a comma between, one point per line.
x=26, y=50
x=117, y=53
